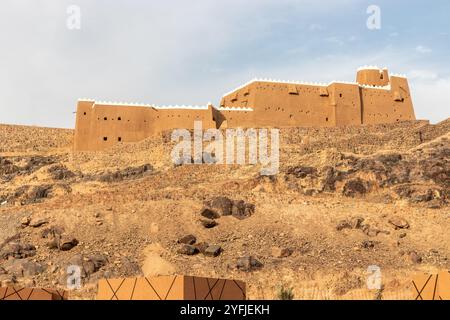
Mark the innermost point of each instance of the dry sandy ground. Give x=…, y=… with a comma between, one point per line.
x=333, y=206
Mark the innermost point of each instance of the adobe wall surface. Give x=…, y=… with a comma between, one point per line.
x=375, y=98
x=380, y=98
x=101, y=125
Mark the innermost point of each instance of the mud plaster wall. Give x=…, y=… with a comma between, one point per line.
x=338, y=104
x=100, y=126
x=378, y=98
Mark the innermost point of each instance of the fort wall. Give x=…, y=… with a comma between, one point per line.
x=375, y=98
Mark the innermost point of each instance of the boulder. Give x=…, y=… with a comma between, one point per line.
x=414, y=257
x=188, y=239
x=354, y=187
x=209, y=213
x=38, y=223
x=208, y=224
x=67, y=243
x=188, y=250
x=89, y=264
x=25, y=221
x=242, y=210
x=399, y=223
x=248, y=264
x=23, y=267
x=18, y=251
x=302, y=172
x=213, y=251
x=202, y=246
x=222, y=205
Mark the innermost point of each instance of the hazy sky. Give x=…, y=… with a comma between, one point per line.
x=192, y=52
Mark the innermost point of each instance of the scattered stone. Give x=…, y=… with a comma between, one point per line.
x=2, y=271
x=343, y=224
x=67, y=243
x=302, y=172
x=38, y=193
x=242, y=210
x=60, y=172
x=188, y=239
x=278, y=252
x=213, y=251
x=355, y=187
x=187, y=249
x=38, y=223
x=23, y=267
x=208, y=224
x=18, y=251
x=370, y=231
x=435, y=204
x=399, y=223
x=368, y=244
x=402, y=235
x=223, y=205
x=51, y=232
x=201, y=247
x=209, y=213
x=248, y=264
x=415, y=257
x=25, y=221
x=126, y=174
x=88, y=264
x=357, y=222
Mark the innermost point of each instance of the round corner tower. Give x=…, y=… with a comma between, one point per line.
x=373, y=76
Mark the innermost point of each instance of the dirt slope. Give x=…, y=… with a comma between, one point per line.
x=345, y=199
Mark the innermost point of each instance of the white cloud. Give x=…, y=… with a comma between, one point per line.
x=423, y=49
x=316, y=27
x=422, y=75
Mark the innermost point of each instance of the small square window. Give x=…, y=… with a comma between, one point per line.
x=105, y=118
x=85, y=113
x=119, y=139
x=119, y=118
x=105, y=138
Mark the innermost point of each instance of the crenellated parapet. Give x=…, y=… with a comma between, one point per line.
x=376, y=97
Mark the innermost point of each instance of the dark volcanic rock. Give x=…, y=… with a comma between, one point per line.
x=126, y=174
x=188, y=250
x=188, y=239
x=354, y=187
x=302, y=172
x=208, y=224
x=222, y=205
x=209, y=213
x=213, y=251
x=202, y=246
x=60, y=172
x=38, y=193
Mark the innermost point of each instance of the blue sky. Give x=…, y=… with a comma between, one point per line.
x=192, y=52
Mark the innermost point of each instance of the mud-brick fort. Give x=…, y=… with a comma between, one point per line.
x=376, y=97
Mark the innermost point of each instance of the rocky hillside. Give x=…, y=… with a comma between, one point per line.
x=345, y=199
